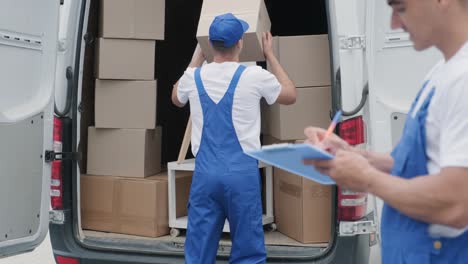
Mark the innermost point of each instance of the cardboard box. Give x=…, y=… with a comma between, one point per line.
x=132, y=19
x=312, y=108
x=125, y=59
x=124, y=152
x=303, y=208
x=125, y=104
x=183, y=183
x=254, y=12
x=306, y=59
x=265, y=123
x=124, y=205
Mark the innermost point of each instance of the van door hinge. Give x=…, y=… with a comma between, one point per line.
x=56, y=217
x=352, y=42
x=357, y=228
x=51, y=155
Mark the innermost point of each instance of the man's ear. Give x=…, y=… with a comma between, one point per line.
x=240, y=43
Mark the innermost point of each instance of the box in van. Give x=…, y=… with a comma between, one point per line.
x=287, y=122
x=132, y=19
x=124, y=152
x=125, y=104
x=125, y=205
x=125, y=59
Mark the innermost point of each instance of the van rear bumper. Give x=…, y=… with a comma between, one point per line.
x=352, y=250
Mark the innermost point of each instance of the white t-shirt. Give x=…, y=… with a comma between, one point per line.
x=254, y=84
x=447, y=121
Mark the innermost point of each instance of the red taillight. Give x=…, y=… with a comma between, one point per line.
x=56, y=190
x=351, y=205
x=352, y=130
x=65, y=260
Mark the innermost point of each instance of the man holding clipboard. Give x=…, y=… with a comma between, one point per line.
x=424, y=181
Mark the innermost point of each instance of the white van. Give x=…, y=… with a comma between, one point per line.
x=46, y=59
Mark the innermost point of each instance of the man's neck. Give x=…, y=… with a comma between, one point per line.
x=218, y=58
x=454, y=37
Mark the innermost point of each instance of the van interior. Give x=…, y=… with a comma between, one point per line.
x=173, y=54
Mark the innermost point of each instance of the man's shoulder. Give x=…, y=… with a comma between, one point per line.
x=258, y=72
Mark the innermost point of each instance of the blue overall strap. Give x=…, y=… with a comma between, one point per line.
x=232, y=86
x=199, y=83
x=235, y=79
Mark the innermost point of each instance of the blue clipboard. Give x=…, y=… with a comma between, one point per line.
x=289, y=157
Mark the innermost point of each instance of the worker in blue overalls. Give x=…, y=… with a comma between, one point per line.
x=225, y=109
x=424, y=182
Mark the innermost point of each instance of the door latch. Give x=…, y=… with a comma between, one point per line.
x=357, y=228
x=352, y=42
x=51, y=155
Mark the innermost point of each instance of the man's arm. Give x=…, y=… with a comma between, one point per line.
x=438, y=199
x=197, y=60
x=332, y=143
x=381, y=161
x=288, y=89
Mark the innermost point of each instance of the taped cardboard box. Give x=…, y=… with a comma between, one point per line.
x=125, y=104
x=183, y=182
x=254, y=12
x=306, y=59
x=125, y=59
x=312, y=108
x=303, y=208
x=124, y=205
x=124, y=152
x=132, y=19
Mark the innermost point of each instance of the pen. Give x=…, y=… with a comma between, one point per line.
x=332, y=126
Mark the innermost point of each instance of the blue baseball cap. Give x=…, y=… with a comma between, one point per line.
x=228, y=29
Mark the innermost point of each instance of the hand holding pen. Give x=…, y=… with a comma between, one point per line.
x=325, y=139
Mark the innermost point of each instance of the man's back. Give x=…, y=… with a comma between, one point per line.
x=254, y=84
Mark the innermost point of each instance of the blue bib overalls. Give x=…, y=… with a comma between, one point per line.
x=226, y=184
x=406, y=240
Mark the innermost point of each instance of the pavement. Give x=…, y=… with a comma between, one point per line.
x=41, y=255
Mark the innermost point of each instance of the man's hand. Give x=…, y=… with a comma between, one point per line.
x=267, y=41
x=349, y=170
x=197, y=58
x=332, y=143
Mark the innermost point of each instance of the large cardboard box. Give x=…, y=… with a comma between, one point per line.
x=254, y=12
x=312, y=108
x=303, y=208
x=182, y=184
x=265, y=119
x=125, y=59
x=132, y=19
x=125, y=104
x=124, y=152
x=306, y=59
x=124, y=205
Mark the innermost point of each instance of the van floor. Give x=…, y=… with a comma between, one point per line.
x=274, y=238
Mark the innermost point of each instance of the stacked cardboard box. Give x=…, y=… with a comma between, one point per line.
x=302, y=207
x=306, y=59
x=123, y=192
x=133, y=206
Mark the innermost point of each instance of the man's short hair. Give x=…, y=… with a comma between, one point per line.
x=219, y=47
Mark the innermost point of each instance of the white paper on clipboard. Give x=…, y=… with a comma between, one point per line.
x=289, y=157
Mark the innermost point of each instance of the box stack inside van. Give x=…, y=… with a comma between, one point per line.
x=130, y=129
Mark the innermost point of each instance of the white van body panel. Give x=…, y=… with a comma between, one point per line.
x=28, y=48
x=350, y=20
x=396, y=73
